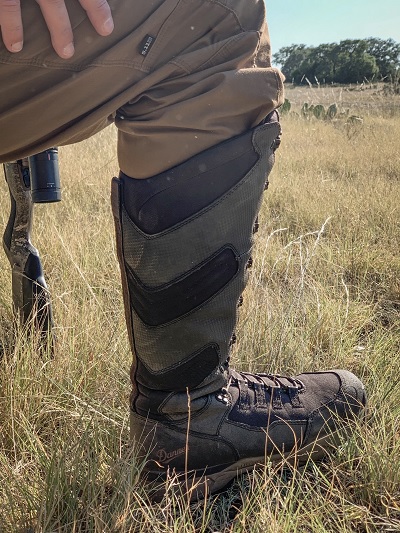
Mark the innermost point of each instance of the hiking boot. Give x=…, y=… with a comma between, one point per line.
x=201, y=445
x=184, y=240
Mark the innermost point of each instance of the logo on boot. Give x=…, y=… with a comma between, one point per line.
x=166, y=457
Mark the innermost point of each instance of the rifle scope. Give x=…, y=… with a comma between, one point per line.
x=45, y=177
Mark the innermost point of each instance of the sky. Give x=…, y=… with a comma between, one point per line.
x=313, y=22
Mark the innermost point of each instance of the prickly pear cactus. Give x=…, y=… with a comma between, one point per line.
x=307, y=110
x=304, y=110
x=319, y=112
x=285, y=107
x=331, y=112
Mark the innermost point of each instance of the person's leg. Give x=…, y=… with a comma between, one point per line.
x=46, y=101
x=184, y=242
x=179, y=72
x=204, y=87
x=178, y=77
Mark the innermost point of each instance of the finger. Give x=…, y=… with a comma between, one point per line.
x=99, y=14
x=56, y=16
x=11, y=25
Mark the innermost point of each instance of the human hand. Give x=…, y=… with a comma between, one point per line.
x=57, y=20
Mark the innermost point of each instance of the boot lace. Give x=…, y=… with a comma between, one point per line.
x=273, y=385
x=268, y=380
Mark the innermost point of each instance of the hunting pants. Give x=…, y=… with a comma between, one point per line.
x=175, y=76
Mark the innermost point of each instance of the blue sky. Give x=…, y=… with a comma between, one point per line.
x=313, y=22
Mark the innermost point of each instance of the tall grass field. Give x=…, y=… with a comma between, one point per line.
x=324, y=293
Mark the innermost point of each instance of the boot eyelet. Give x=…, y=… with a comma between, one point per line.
x=222, y=397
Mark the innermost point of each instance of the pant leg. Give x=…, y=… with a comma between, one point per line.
x=46, y=101
x=206, y=87
x=177, y=76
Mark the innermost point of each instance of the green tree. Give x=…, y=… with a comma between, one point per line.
x=350, y=61
x=326, y=59
x=386, y=54
x=289, y=58
x=355, y=63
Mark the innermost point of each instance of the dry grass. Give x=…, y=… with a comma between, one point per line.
x=378, y=100
x=324, y=292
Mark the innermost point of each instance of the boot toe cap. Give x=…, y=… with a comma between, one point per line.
x=342, y=400
x=336, y=387
x=352, y=390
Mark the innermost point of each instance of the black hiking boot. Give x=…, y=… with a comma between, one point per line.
x=184, y=243
x=256, y=418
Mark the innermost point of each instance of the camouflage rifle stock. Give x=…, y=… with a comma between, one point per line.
x=31, y=298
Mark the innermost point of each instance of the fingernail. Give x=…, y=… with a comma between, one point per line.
x=17, y=47
x=108, y=26
x=69, y=50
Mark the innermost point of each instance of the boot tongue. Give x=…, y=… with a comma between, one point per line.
x=268, y=380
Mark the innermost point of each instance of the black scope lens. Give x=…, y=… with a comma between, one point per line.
x=45, y=177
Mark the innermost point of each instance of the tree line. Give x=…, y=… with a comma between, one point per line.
x=350, y=61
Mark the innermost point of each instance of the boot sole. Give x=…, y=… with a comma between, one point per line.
x=193, y=486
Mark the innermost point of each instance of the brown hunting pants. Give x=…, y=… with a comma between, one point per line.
x=176, y=77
